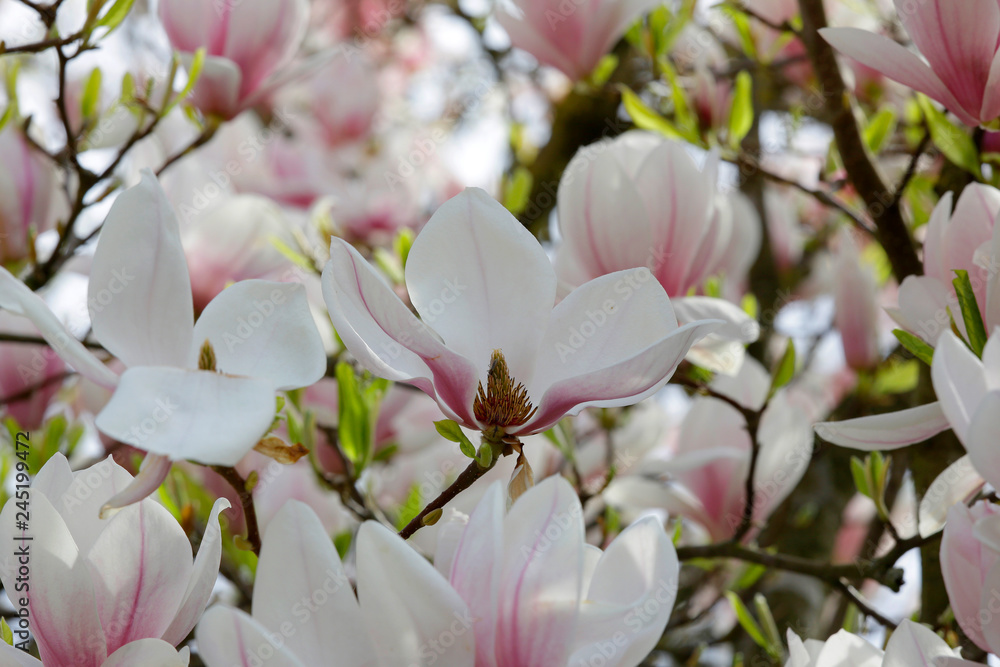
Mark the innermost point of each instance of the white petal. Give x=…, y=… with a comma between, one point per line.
x=202, y=580
x=748, y=387
x=739, y=326
x=410, y=609
x=17, y=298
x=229, y=638
x=913, y=644
x=845, y=649
x=80, y=504
x=139, y=294
x=199, y=415
x=465, y=282
x=298, y=562
x=959, y=482
x=981, y=439
x=638, y=571
x=263, y=329
x=887, y=431
x=959, y=382
x=148, y=653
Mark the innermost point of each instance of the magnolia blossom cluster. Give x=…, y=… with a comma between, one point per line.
x=290, y=376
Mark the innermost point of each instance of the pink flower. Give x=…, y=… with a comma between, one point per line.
x=305, y=612
x=491, y=349
x=571, y=36
x=99, y=584
x=542, y=597
x=955, y=240
x=640, y=201
x=969, y=568
x=959, y=41
x=28, y=187
x=247, y=44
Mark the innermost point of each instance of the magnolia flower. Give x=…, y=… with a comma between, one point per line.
x=28, y=188
x=304, y=611
x=98, y=585
x=704, y=480
x=204, y=391
x=970, y=553
x=247, y=43
x=570, y=36
x=910, y=644
x=959, y=41
x=965, y=240
x=541, y=596
x=640, y=201
x=500, y=358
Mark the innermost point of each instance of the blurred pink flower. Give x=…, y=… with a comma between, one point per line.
x=23, y=367
x=28, y=189
x=571, y=36
x=857, y=311
x=247, y=43
x=99, y=584
x=959, y=41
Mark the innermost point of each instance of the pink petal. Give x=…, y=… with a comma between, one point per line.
x=923, y=306
x=140, y=566
x=139, y=293
x=475, y=569
x=958, y=483
x=153, y=471
x=981, y=438
x=264, y=36
x=217, y=90
x=959, y=40
x=462, y=281
x=263, y=329
x=388, y=340
x=888, y=431
x=62, y=607
x=896, y=62
x=542, y=575
x=80, y=504
x=913, y=644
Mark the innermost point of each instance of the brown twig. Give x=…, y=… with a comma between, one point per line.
x=239, y=485
x=468, y=477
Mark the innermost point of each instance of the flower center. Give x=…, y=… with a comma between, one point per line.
x=502, y=404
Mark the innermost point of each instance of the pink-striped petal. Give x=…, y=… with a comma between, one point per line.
x=230, y=638
x=153, y=471
x=149, y=653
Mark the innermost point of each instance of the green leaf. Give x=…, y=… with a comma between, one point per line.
x=5, y=632
x=485, y=458
x=897, y=378
x=785, y=370
x=860, y=474
x=879, y=129
x=953, y=141
x=451, y=431
x=359, y=401
x=342, y=542
x=402, y=244
x=915, y=345
x=747, y=621
x=194, y=71
x=91, y=94
x=645, y=118
x=973, y=319
x=605, y=68
x=741, y=114
x=775, y=648
x=114, y=16
x=742, y=24
x=411, y=508
x=517, y=190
